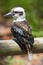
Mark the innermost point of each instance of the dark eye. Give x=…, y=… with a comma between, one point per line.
x=20, y=13
x=16, y=12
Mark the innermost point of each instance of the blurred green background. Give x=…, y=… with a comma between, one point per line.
x=34, y=12
x=34, y=15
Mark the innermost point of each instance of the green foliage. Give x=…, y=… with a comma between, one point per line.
x=37, y=33
x=33, y=8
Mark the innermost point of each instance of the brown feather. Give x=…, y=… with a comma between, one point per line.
x=24, y=26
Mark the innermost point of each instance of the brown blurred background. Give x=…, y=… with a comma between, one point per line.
x=5, y=32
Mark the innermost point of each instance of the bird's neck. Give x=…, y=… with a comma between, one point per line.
x=19, y=19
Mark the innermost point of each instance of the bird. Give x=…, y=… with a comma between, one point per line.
x=21, y=30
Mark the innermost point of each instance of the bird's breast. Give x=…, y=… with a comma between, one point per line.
x=21, y=25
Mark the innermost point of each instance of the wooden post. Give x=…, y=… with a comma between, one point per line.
x=10, y=47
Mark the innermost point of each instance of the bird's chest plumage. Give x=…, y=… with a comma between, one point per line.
x=21, y=25
x=20, y=28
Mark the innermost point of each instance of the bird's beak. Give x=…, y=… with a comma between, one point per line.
x=8, y=14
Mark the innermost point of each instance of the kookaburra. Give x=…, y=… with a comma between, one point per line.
x=20, y=29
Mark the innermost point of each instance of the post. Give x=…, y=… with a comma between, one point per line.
x=10, y=47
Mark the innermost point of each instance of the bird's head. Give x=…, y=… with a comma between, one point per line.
x=18, y=13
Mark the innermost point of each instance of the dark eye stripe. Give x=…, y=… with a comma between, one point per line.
x=17, y=12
